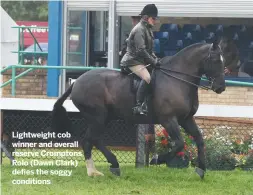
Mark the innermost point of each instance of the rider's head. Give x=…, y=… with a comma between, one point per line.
x=150, y=13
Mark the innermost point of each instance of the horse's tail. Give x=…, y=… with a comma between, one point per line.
x=60, y=120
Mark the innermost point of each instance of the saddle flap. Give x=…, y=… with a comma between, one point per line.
x=134, y=79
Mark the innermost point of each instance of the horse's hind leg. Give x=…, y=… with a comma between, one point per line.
x=90, y=137
x=93, y=137
x=111, y=158
x=87, y=148
x=191, y=128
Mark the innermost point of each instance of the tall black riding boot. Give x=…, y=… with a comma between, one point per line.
x=141, y=107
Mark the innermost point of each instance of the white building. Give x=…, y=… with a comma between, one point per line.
x=9, y=42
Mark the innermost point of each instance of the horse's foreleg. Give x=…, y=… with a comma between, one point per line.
x=111, y=158
x=177, y=142
x=191, y=128
x=87, y=148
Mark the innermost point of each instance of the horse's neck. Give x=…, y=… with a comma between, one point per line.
x=188, y=61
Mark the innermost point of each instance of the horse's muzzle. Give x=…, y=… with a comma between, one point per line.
x=220, y=90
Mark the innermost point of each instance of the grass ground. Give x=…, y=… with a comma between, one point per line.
x=146, y=181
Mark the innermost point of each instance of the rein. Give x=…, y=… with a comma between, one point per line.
x=165, y=71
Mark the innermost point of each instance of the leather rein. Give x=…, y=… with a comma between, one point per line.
x=166, y=71
x=210, y=79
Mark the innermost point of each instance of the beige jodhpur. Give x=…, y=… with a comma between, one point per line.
x=141, y=71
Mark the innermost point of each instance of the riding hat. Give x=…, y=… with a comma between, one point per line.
x=149, y=10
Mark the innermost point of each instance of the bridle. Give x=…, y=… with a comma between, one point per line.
x=166, y=71
x=206, y=66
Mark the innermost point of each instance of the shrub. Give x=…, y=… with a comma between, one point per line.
x=218, y=155
x=248, y=162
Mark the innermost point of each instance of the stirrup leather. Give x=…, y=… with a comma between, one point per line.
x=141, y=109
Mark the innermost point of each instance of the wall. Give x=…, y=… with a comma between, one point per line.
x=33, y=85
x=240, y=96
x=8, y=39
x=233, y=126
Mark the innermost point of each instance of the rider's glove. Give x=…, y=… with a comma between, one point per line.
x=158, y=63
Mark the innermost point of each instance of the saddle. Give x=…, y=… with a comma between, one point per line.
x=134, y=79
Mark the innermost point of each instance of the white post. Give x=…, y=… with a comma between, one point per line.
x=111, y=34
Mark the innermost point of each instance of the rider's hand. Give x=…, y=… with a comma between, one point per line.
x=227, y=71
x=158, y=63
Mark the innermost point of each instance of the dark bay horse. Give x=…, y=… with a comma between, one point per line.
x=103, y=95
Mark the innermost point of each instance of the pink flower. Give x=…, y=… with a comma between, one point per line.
x=164, y=142
x=165, y=133
x=180, y=154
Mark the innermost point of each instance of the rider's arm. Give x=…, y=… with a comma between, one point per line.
x=139, y=39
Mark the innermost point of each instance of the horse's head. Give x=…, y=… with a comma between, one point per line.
x=222, y=54
x=213, y=68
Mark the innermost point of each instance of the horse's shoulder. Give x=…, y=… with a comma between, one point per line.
x=166, y=59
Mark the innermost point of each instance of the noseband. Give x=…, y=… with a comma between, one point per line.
x=207, y=66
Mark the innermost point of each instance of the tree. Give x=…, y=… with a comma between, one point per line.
x=26, y=10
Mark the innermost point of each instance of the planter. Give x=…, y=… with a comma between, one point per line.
x=178, y=162
x=194, y=162
x=221, y=166
x=220, y=160
x=247, y=168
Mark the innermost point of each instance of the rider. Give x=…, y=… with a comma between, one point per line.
x=135, y=20
x=140, y=53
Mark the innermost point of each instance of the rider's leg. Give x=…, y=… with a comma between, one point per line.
x=142, y=72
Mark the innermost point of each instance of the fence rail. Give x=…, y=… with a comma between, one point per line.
x=32, y=67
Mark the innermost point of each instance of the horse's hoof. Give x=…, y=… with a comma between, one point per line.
x=92, y=173
x=200, y=172
x=154, y=161
x=115, y=171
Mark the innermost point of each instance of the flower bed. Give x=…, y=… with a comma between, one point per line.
x=163, y=144
x=223, y=152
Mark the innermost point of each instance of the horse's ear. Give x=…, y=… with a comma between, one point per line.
x=215, y=44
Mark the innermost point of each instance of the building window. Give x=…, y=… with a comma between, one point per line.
x=87, y=38
x=75, y=38
x=98, y=38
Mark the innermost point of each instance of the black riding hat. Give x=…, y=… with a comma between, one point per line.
x=149, y=10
